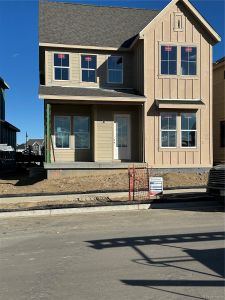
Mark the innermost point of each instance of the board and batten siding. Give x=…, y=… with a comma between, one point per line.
x=138, y=67
x=218, y=110
x=177, y=87
x=75, y=79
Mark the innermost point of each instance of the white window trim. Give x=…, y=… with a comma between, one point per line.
x=176, y=130
x=81, y=69
x=60, y=148
x=89, y=119
x=119, y=82
x=191, y=46
x=160, y=60
x=194, y=130
x=179, y=72
x=53, y=69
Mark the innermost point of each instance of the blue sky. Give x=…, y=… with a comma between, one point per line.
x=19, y=54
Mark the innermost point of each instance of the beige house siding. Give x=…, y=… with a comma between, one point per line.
x=138, y=67
x=177, y=87
x=141, y=71
x=218, y=110
x=75, y=78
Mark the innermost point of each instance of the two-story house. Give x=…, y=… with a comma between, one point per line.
x=123, y=85
x=7, y=130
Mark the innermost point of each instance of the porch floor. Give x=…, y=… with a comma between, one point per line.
x=91, y=165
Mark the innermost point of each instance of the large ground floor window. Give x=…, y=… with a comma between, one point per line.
x=62, y=131
x=80, y=131
x=174, y=125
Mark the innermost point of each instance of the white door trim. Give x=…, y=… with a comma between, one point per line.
x=125, y=155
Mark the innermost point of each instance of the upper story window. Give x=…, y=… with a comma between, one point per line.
x=188, y=60
x=61, y=66
x=115, y=69
x=168, y=60
x=168, y=130
x=88, y=68
x=188, y=130
x=62, y=131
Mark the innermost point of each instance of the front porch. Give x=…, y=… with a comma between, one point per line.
x=93, y=136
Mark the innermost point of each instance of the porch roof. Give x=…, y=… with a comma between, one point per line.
x=180, y=103
x=78, y=93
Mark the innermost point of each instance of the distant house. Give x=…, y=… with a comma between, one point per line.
x=7, y=130
x=33, y=145
x=219, y=111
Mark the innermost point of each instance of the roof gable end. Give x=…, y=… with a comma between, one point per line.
x=213, y=34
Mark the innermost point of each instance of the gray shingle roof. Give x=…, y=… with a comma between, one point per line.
x=85, y=92
x=89, y=25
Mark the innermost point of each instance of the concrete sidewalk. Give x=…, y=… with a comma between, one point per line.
x=113, y=196
x=101, y=202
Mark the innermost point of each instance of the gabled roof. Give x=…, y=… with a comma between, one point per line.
x=31, y=142
x=215, y=36
x=89, y=25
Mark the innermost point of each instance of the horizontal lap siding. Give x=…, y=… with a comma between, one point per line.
x=177, y=87
x=104, y=135
x=104, y=131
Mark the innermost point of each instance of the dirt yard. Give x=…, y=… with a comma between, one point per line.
x=23, y=184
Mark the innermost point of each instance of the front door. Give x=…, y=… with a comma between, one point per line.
x=122, y=143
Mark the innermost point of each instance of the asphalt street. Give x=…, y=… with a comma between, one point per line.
x=138, y=255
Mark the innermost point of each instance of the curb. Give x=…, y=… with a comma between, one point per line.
x=76, y=210
x=122, y=207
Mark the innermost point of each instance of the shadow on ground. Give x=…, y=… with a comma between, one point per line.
x=213, y=259
x=20, y=177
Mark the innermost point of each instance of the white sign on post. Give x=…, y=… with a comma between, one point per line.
x=155, y=185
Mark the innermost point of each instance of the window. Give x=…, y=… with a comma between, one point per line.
x=82, y=132
x=188, y=60
x=168, y=60
x=188, y=130
x=115, y=69
x=62, y=131
x=88, y=67
x=61, y=66
x=168, y=129
x=222, y=134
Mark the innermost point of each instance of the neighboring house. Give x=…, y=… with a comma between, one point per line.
x=7, y=130
x=123, y=85
x=33, y=145
x=219, y=111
